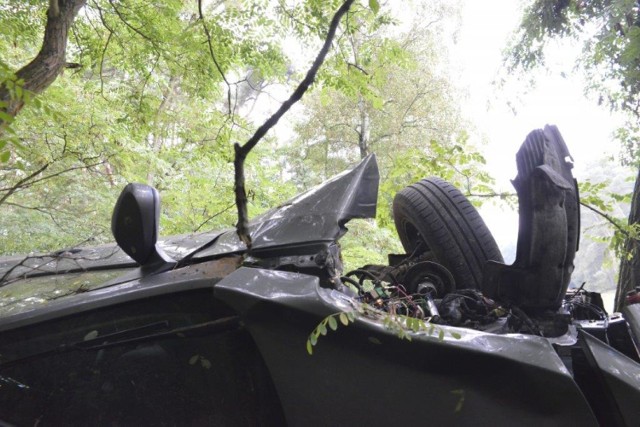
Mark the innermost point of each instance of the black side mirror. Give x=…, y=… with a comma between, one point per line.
x=135, y=223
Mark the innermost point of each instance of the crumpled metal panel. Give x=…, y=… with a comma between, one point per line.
x=478, y=379
x=317, y=215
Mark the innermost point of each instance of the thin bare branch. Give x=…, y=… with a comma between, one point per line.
x=213, y=55
x=503, y=195
x=37, y=209
x=22, y=182
x=128, y=24
x=30, y=181
x=241, y=151
x=104, y=51
x=607, y=217
x=67, y=253
x=206, y=221
x=357, y=67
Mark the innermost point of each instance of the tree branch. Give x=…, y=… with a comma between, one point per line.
x=128, y=24
x=20, y=183
x=241, y=151
x=39, y=209
x=104, y=51
x=491, y=195
x=357, y=67
x=609, y=219
x=43, y=70
x=29, y=180
x=206, y=221
x=213, y=55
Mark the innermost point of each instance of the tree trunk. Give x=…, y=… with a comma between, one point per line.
x=50, y=61
x=365, y=129
x=630, y=265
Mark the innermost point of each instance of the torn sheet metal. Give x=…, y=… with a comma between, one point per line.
x=316, y=216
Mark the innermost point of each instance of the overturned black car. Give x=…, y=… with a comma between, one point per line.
x=199, y=331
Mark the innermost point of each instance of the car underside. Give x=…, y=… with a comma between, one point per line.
x=193, y=330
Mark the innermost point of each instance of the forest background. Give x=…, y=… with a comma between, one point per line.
x=158, y=92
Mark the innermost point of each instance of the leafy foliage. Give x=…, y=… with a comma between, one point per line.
x=144, y=103
x=610, y=34
x=400, y=325
x=366, y=243
x=388, y=96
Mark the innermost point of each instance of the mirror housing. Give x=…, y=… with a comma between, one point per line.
x=135, y=224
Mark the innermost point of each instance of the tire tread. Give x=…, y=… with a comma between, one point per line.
x=450, y=226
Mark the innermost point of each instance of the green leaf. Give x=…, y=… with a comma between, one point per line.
x=387, y=322
x=309, y=347
x=344, y=319
x=374, y=6
x=193, y=359
x=441, y=335
x=332, y=323
x=313, y=338
x=322, y=328
x=6, y=117
x=456, y=335
x=4, y=157
x=416, y=325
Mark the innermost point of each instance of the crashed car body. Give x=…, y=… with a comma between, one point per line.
x=200, y=331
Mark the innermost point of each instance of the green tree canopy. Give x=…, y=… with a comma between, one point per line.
x=158, y=92
x=152, y=92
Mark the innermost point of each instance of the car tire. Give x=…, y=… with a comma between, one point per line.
x=435, y=213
